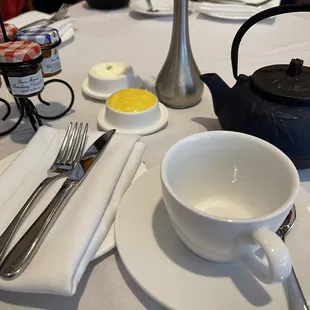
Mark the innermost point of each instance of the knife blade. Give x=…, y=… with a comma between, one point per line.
x=21, y=255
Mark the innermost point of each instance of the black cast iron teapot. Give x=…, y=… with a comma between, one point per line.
x=273, y=103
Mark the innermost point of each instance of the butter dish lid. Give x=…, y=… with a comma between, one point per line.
x=11, y=31
x=41, y=35
x=19, y=51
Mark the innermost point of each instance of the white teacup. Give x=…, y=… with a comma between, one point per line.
x=227, y=193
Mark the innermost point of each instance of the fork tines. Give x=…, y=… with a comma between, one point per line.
x=62, y=12
x=72, y=145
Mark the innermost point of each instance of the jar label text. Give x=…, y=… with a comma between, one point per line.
x=27, y=85
x=51, y=64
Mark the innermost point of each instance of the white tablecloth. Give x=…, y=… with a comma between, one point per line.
x=143, y=43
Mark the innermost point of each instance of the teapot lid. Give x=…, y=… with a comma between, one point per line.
x=291, y=83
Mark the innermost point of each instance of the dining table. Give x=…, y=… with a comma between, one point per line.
x=143, y=42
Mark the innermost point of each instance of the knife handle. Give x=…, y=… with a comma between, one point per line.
x=25, y=249
x=10, y=231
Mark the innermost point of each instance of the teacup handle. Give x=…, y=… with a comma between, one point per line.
x=279, y=260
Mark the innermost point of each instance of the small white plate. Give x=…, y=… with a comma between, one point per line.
x=178, y=279
x=164, y=7
x=233, y=11
x=162, y=122
x=104, y=96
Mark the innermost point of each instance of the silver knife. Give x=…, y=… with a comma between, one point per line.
x=25, y=249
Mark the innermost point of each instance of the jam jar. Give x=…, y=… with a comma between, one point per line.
x=11, y=32
x=20, y=65
x=49, y=40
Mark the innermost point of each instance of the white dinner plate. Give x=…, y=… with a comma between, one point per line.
x=164, y=7
x=109, y=241
x=178, y=279
x=233, y=11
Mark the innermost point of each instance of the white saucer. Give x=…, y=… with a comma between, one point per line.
x=109, y=241
x=162, y=122
x=178, y=279
x=104, y=96
x=233, y=11
x=164, y=7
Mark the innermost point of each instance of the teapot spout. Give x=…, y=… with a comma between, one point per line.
x=219, y=90
x=215, y=83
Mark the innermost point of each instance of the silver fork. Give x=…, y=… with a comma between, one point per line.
x=59, y=15
x=69, y=154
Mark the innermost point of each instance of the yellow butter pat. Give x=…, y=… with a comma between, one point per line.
x=132, y=100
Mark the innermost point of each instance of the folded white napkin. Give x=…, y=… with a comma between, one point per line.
x=64, y=27
x=86, y=219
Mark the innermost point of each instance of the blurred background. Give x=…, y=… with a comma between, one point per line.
x=13, y=8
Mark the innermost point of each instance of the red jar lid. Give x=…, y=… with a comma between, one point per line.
x=19, y=51
x=11, y=31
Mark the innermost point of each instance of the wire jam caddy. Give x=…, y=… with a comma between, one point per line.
x=26, y=57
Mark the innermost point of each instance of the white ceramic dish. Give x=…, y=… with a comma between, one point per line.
x=109, y=242
x=164, y=7
x=161, y=120
x=110, y=77
x=178, y=279
x=232, y=11
x=103, y=95
x=225, y=207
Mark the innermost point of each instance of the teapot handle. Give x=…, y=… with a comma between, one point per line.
x=278, y=10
